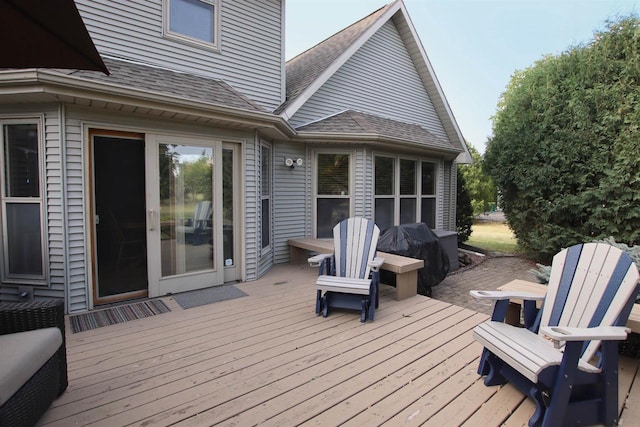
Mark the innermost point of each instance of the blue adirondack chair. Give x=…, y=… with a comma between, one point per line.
x=348, y=278
x=566, y=360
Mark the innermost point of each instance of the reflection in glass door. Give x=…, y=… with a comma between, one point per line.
x=186, y=209
x=185, y=214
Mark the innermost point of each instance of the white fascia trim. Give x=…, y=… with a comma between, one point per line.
x=360, y=138
x=46, y=81
x=432, y=76
x=339, y=62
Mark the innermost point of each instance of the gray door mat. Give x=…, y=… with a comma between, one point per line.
x=207, y=296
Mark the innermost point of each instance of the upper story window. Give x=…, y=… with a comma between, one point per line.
x=193, y=20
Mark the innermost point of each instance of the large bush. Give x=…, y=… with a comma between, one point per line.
x=566, y=147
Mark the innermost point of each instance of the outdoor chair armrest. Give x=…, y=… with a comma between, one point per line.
x=317, y=260
x=566, y=333
x=505, y=295
x=376, y=263
x=29, y=316
x=503, y=300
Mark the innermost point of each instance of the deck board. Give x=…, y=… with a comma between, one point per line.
x=268, y=359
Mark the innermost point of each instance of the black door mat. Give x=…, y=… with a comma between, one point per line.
x=207, y=296
x=118, y=314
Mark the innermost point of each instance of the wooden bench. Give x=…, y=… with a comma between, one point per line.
x=518, y=285
x=405, y=268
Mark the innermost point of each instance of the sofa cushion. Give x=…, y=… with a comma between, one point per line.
x=22, y=354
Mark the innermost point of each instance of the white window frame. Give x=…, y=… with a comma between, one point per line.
x=433, y=196
x=394, y=194
x=416, y=186
x=349, y=196
x=166, y=27
x=269, y=197
x=397, y=197
x=30, y=279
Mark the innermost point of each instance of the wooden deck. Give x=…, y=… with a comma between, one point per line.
x=267, y=359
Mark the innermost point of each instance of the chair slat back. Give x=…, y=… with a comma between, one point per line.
x=355, y=240
x=202, y=213
x=589, y=286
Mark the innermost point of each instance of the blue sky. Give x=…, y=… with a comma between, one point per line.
x=474, y=45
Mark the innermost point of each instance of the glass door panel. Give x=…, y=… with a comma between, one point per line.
x=185, y=214
x=186, y=209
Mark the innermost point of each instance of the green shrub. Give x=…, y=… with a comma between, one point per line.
x=565, y=148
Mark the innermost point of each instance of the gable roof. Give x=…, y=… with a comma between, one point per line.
x=309, y=71
x=306, y=69
x=362, y=126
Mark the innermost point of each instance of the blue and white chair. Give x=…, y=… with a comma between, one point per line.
x=567, y=359
x=349, y=277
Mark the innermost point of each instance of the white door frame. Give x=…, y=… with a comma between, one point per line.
x=159, y=285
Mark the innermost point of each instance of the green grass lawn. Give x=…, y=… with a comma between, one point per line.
x=493, y=236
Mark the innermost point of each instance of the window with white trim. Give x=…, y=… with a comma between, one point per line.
x=193, y=20
x=333, y=192
x=404, y=191
x=408, y=191
x=384, y=191
x=265, y=194
x=22, y=203
x=428, y=193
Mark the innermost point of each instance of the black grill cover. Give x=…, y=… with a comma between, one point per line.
x=415, y=241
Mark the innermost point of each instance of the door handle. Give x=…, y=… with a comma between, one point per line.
x=153, y=220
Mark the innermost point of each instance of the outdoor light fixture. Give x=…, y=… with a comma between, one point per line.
x=288, y=161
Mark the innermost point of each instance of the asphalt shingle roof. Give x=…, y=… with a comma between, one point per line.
x=305, y=68
x=170, y=83
x=355, y=122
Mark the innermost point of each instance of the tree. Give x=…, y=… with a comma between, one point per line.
x=197, y=178
x=566, y=138
x=482, y=190
x=464, y=210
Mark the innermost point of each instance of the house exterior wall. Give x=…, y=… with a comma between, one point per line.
x=294, y=206
x=53, y=199
x=380, y=79
x=291, y=198
x=250, y=57
x=67, y=195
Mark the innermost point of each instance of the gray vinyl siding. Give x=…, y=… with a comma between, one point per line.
x=291, y=212
x=250, y=51
x=252, y=209
x=380, y=79
x=361, y=203
x=449, y=195
x=77, y=286
x=53, y=204
x=56, y=215
x=453, y=195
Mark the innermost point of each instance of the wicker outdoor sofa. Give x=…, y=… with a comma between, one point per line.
x=44, y=353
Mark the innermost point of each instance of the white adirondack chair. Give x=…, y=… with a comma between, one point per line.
x=197, y=230
x=348, y=278
x=567, y=360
